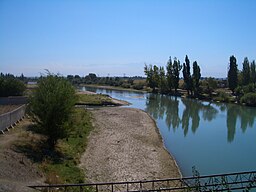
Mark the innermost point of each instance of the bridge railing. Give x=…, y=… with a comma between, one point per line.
x=221, y=182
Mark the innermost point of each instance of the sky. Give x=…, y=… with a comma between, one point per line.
x=117, y=37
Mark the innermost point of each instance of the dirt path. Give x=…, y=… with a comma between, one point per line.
x=125, y=146
x=16, y=169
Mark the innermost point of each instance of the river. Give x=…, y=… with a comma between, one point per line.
x=212, y=137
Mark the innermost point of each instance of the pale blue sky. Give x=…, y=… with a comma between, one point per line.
x=118, y=36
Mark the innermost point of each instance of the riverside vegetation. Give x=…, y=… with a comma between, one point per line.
x=238, y=87
x=241, y=83
x=60, y=128
x=60, y=160
x=65, y=129
x=59, y=165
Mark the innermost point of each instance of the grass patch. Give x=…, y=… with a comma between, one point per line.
x=94, y=99
x=63, y=167
x=61, y=164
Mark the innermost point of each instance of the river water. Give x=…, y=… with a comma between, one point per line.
x=213, y=137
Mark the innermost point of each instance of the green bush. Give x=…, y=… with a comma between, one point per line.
x=222, y=97
x=249, y=88
x=126, y=85
x=249, y=99
x=138, y=86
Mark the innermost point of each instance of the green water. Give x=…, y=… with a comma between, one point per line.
x=213, y=137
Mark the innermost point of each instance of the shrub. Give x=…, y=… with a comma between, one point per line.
x=222, y=96
x=138, y=86
x=52, y=106
x=249, y=88
x=249, y=99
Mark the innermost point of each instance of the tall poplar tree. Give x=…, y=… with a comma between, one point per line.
x=232, y=73
x=169, y=74
x=176, y=73
x=196, y=77
x=156, y=77
x=246, y=71
x=187, y=75
x=253, y=72
x=162, y=80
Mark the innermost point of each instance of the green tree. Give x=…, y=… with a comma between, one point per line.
x=211, y=84
x=156, y=77
x=232, y=73
x=169, y=74
x=196, y=77
x=162, y=80
x=253, y=72
x=176, y=73
x=52, y=106
x=152, y=73
x=246, y=71
x=11, y=86
x=187, y=75
x=149, y=74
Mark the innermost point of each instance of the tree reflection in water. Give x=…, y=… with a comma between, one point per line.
x=162, y=106
x=245, y=114
x=179, y=112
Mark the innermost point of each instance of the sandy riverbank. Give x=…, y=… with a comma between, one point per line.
x=125, y=146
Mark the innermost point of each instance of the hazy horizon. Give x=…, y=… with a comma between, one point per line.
x=118, y=37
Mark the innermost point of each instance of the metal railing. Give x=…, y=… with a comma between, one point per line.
x=12, y=117
x=220, y=182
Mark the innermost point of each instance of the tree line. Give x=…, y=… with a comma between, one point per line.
x=242, y=82
x=241, y=78
x=10, y=85
x=135, y=82
x=166, y=79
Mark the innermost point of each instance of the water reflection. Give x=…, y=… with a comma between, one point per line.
x=162, y=106
x=158, y=105
x=187, y=113
x=246, y=115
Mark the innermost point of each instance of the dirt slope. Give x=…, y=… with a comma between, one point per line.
x=17, y=170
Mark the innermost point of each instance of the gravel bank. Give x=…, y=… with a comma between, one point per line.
x=125, y=146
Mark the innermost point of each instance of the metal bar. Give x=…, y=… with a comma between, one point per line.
x=224, y=181
x=159, y=180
